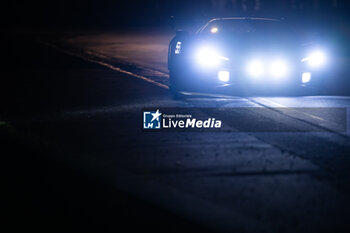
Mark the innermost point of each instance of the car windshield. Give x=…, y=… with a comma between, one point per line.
x=246, y=27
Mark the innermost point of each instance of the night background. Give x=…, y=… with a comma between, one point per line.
x=107, y=13
x=76, y=78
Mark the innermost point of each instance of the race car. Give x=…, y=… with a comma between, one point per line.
x=246, y=54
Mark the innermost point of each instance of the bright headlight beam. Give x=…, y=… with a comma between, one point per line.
x=255, y=68
x=278, y=68
x=306, y=77
x=224, y=76
x=209, y=57
x=315, y=59
x=275, y=68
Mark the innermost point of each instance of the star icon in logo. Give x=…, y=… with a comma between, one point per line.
x=156, y=115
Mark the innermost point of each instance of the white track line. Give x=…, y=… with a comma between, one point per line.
x=304, y=113
x=109, y=66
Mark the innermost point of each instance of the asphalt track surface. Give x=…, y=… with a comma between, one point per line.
x=82, y=97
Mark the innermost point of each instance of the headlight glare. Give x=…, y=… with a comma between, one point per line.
x=315, y=59
x=255, y=68
x=209, y=57
x=306, y=77
x=224, y=76
x=278, y=68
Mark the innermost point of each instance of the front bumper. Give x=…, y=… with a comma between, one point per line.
x=239, y=79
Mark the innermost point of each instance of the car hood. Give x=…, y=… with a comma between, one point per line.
x=253, y=46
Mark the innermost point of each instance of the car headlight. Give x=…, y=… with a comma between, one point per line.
x=255, y=68
x=209, y=57
x=275, y=68
x=278, y=68
x=224, y=76
x=306, y=77
x=315, y=59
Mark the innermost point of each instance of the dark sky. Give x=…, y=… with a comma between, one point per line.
x=125, y=13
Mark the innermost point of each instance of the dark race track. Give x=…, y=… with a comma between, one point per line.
x=77, y=109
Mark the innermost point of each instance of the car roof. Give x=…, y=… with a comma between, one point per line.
x=243, y=18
